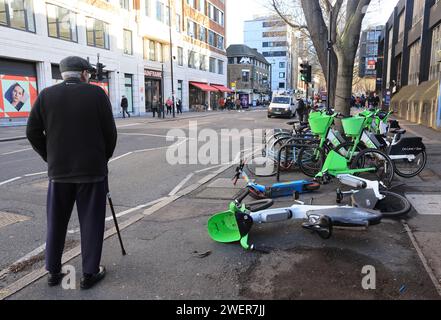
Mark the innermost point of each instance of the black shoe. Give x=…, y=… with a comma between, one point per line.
x=55, y=279
x=89, y=280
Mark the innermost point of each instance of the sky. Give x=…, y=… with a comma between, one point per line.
x=239, y=11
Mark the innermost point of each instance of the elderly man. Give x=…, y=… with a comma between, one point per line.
x=71, y=126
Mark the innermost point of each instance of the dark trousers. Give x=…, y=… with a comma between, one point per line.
x=124, y=112
x=179, y=110
x=91, y=204
x=154, y=110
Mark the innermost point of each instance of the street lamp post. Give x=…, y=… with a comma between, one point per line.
x=171, y=60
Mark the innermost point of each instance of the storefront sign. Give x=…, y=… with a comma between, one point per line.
x=153, y=74
x=17, y=95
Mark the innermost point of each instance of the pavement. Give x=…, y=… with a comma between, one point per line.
x=171, y=257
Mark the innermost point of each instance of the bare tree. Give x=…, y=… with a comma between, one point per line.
x=345, y=22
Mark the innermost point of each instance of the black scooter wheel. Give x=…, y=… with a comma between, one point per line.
x=393, y=205
x=313, y=186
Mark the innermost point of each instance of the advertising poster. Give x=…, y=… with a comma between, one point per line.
x=17, y=95
x=103, y=85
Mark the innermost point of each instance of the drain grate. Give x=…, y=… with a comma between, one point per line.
x=7, y=219
x=426, y=204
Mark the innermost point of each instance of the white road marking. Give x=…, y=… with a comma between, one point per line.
x=151, y=135
x=128, y=125
x=10, y=180
x=180, y=185
x=35, y=174
x=120, y=157
x=13, y=152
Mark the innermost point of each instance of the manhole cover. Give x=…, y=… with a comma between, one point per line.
x=7, y=219
x=426, y=204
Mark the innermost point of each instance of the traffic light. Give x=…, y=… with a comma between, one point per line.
x=100, y=71
x=306, y=72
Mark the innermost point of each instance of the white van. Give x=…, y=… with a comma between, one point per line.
x=282, y=106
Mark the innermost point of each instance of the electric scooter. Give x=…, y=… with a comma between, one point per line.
x=278, y=190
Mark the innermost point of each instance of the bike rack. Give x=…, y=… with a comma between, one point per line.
x=288, y=144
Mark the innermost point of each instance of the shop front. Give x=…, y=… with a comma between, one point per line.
x=199, y=93
x=217, y=98
x=18, y=88
x=153, y=90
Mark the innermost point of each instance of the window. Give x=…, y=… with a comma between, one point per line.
x=61, y=23
x=159, y=11
x=215, y=14
x=202, y=6
x=17, y=14
x=220, y=42
x=213, y=65
x=401, y=26
x=129, y=91
x=128, y=47
x=220, y=67
x=274, y=54
x=191, y=28
x=211, y=38
x=202, y=34
x=418, y=11
x=124, y=4
x=435, y=61
x=274, y=34
x=180, y=56
x=245, y=75
x=167, y=15
x=414, y=64
x=97, y=33
x=282, y=65
x=180, y=90
x=192, y=3
x=178, y=23
x=149, y=50
x=192, y=59
x=281, y=85
x=271, y=24
x=282, y=75
x=147, y=7
x=203, y=63
x=160, y=52
x=271, y=44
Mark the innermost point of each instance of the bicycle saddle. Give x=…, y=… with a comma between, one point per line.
x=291, y=123
x=349, y=217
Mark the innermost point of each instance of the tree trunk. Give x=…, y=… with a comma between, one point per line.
x=343, y=90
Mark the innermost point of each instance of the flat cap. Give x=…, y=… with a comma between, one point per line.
x=75, y=64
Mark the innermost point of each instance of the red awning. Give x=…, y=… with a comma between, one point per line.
x=222, y=88
x=203, y=86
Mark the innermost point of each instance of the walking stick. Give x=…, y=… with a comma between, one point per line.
x=116, y=224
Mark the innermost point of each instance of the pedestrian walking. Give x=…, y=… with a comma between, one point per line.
x=301, y=108
x=169, y=105
x=155, y=104
x=125, y=106
x=179, y=106
x=71, y=126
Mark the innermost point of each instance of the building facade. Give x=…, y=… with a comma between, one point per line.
x=250, y=72
x=369, y=44
x=275, y=40
x=412, y=59
x=132, y=39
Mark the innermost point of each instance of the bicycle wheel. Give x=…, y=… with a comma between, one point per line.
x=261, y=166
x=287, y=156
x=410, y=168
x=311, y=160
x=393, y=205
x=382, y=165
